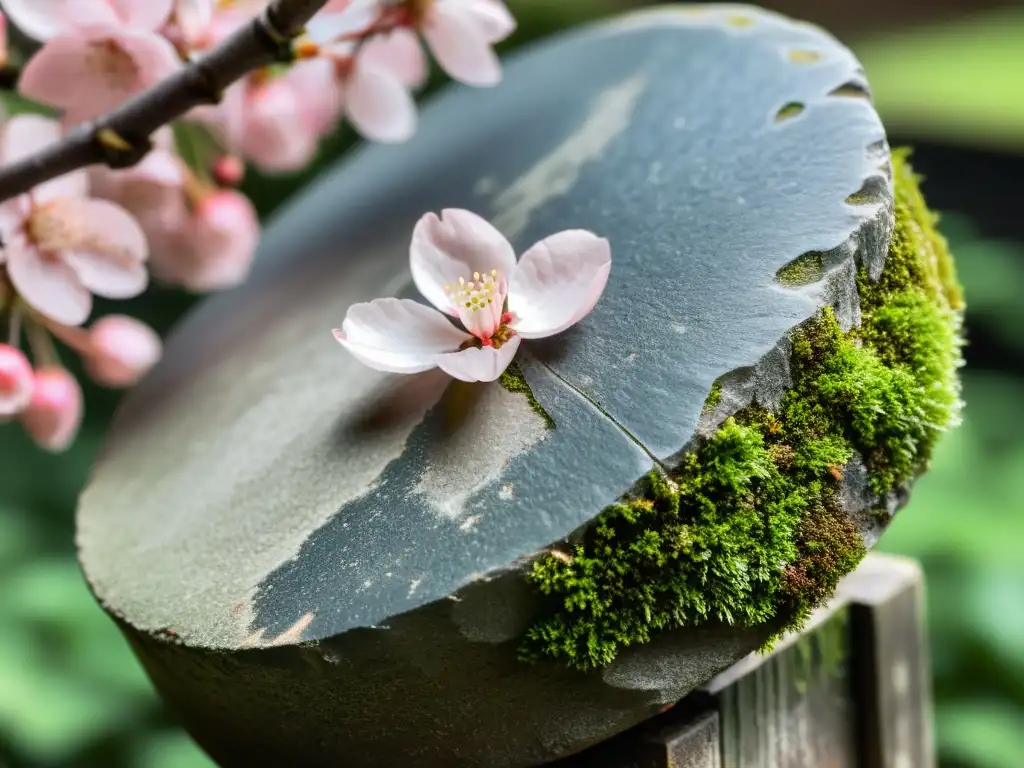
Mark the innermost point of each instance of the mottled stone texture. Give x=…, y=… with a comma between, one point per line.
x=323, y=565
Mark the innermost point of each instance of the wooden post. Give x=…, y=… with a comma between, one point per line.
x=850, y=691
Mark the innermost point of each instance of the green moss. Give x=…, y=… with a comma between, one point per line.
x=747, y=530
x=514, y=381
x=792, y=109
x=714, y=397
x=803, y=270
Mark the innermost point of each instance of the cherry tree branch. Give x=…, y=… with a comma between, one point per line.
x=120, y=139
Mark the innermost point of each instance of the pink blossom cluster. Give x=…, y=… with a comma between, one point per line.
x=177, y=215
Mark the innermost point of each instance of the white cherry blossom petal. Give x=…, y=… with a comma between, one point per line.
x=48, y=285
x=102, y=243
x=479, y=364
x=454, y=245
x=491, y=16
x=108, y=277
x=557, y=282
x=25, y=135
x=328, y=26
x=400, y=54
x=194, y=17
x=43, y=19
x=461, y=46
x=145, y=15
x=398, y=335
x=379, y=105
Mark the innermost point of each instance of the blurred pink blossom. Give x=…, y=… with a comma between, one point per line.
x=121, y=350
x=277, y=121
x=16, y=381
x=89, y=71
x=460, y=34
x=61, y=246
x=45, y=19
x=54, y=412
x=212, y=245
x=152, y=191
x=4, y=50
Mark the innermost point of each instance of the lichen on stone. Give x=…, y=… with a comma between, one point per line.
x=748, y=529
x=513, y=380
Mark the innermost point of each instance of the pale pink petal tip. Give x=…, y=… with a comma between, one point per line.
x=16, y=381
x=462, y=45
x=54, y=413
x=122, y=350
x=398, y=335
x=39, y=19
x=558, y=281
x=454, y=245
x=379, y=105
x=479, y=364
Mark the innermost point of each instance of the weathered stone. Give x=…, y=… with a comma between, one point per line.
x=319, y=564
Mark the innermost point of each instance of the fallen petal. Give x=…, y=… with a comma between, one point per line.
x=479, y=364
x=398, y=335
x=557, y=282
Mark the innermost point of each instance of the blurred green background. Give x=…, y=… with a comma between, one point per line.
x=948, y=77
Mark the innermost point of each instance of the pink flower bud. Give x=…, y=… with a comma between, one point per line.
x=15, y=381
x=122, y=350
x=55, y=411
x=3, y=40
x=229, y=171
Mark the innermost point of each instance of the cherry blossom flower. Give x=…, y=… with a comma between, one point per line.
x=277, y=121
x=468, y=270
x=211, y=246
x=375, y=86
x=60, y=246
x=54, y=412
x=16, y=381
x=98, y=53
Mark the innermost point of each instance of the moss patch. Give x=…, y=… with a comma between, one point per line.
x=513, y=380
x=747, y=530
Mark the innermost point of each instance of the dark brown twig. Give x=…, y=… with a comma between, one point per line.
x=121, y=138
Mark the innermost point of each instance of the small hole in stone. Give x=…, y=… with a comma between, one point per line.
x=803, y=270
x=851, y=90
x=872, y=192
x=803, y=56
x=739, y=21
x=790, y=110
